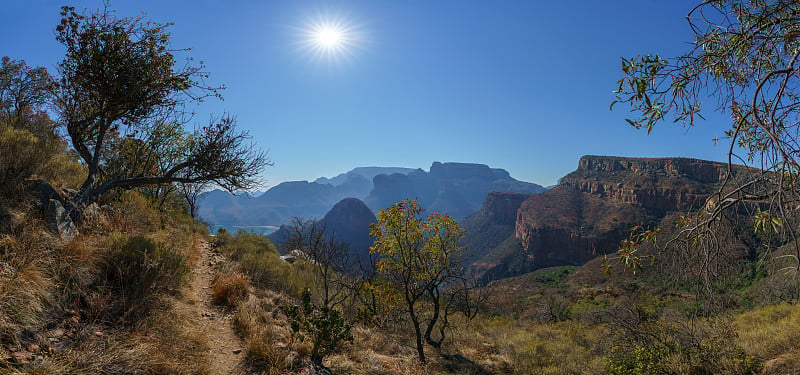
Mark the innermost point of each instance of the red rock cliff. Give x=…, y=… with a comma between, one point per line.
x=592, y=209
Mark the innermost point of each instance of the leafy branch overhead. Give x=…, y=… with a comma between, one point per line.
x=743, y=60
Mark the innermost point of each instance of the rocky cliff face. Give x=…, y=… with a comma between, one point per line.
x=490, y=235
x=501, y=207
x=593, y=208
x=659, y=185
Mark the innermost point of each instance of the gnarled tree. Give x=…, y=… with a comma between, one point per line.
x=121, y=97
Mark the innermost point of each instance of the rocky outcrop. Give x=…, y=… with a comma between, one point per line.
x=592, y=210
x=59, y=222
x=659, y=185
x=501, y=207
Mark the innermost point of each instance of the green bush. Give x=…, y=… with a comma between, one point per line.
x=137, y=271
x=22, y=155
x=325, y=327
x=260, y=260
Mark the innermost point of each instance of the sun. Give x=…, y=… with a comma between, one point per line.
x=330, y=38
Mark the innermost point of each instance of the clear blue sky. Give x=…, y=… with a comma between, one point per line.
x=520, y=85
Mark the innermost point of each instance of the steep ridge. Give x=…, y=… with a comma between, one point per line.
x=589, y=212
x=490, y=236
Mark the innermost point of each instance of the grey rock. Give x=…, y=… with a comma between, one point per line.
x=59, y=222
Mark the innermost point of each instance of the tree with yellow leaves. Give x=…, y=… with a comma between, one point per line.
x=420, y=261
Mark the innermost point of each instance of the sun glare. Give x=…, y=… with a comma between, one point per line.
x=330, y=38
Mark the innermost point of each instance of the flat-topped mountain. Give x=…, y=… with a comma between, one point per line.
x=588, y=213
x=663, y=184
x=457, y=189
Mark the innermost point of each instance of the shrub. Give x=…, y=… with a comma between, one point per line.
x=137, y=271
x=229, y=289
x=136, y=213
x=62, y=169
x=22, y=155
x=324, y=325
x=647, y=359
x=260, y=260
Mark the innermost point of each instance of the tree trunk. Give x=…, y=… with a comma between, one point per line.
x=434, y=294
x=417, y=331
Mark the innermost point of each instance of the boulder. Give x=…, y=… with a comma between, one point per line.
x=59, y=222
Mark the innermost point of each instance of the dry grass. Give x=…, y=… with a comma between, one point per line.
x=25, y=283
x=170, y=345
x=266, y=337
x=770, y=331
x=228, y=289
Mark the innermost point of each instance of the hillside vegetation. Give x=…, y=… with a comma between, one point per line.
x=103, y=270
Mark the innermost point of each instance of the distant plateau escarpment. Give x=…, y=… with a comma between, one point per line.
x=587, y=214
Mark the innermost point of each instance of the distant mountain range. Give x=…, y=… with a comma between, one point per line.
x=457, y=189
x=512, y=227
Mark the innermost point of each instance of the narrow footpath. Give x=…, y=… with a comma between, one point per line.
x=225, y=348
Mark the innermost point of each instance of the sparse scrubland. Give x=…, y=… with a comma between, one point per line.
x=99, y=257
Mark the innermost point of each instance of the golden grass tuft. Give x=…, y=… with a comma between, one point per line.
x=229, y=289
x=266, y=337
